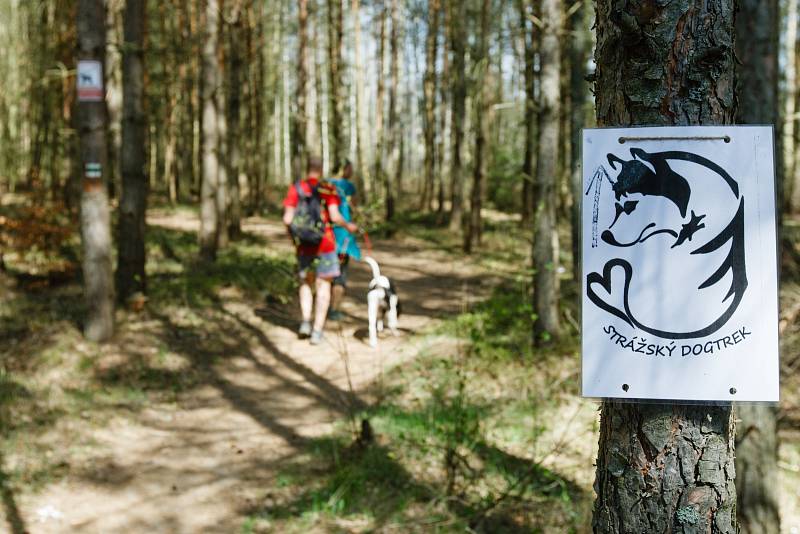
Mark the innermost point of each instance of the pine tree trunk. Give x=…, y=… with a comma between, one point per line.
x=545, y=243
x=131, y=277
x=444, y=115
x=473, y=230
x=335, y=33
x=662, y=467
x=757, y=25
x=789, y=119
x=95, y=217
x=380, y=93
x=299, y=145
x=234, y=119
x=458, y=41
x=209, y=215
x=580, y=45
x=222, y=133
x=429, y=90
x=529, y=41
x=394, y=139
x=362, y=138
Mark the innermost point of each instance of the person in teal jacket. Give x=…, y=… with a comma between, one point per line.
x=346, y=244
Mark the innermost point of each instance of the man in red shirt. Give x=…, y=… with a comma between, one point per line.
x=316, y=261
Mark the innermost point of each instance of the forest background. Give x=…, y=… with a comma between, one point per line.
x=462, y=120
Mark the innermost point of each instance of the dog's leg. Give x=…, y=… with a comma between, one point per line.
x=392, y=314
x=373, y=303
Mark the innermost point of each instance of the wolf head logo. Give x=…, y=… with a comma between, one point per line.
x=648, y=176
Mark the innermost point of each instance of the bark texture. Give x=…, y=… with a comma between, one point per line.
x=545, y=243
x=757, y=24
x=665, y=468
x=92, y=123
x=335, y=36
x=665, y=63
x=131, y=276
x=660, y=467
x=580, y=44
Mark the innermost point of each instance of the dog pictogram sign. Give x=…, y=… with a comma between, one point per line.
x=680, y=286
x=90, y=81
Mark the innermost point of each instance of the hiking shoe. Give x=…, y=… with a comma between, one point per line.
x=305, y=329
x=316, y=337
x=335, y=315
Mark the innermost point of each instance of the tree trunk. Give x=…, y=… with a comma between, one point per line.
x=662, y=467
x=361, y=105
x=789, y=120
x=394, y=138
x=429, y=90
x=545, y=243
x=380, y=94
x=472, y=235
x=335, y=33
x=234, y=115
x=580, y=45
x=209, y=215
x=299, y=146
x=222, y=133
x=445, y=118
x=529, y=41
x=95, y=218
x=757, y=28
x=458, y=39
x=131, y=277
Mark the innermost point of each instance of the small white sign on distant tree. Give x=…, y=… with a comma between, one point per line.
x=680, y=291
x=90, y=81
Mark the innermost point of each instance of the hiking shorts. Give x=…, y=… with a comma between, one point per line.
x=341, y=280
x=325, y=265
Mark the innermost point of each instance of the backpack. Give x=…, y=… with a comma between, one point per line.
x=307, y=227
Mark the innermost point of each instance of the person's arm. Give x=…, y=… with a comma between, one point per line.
x=288, y=215
x=336, y=218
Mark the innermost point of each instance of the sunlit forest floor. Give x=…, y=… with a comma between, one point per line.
x=206, y=414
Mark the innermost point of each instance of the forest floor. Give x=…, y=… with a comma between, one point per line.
x=207, y=414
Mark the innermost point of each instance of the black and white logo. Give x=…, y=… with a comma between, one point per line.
x=677, y=213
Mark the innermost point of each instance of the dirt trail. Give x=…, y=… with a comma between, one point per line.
x=199, y=463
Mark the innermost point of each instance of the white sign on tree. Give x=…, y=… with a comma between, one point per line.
x=680, y=290
x=90, y=81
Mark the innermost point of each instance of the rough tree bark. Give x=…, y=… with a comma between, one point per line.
x=209, y=216
x=757, y=25
x=662, y=467
x=429, y=90
x=95, y=219
x=472, y=235
x=545, y=242
x=131, y=276
x=458, y=40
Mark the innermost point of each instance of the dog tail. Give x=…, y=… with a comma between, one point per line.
x=376, y=271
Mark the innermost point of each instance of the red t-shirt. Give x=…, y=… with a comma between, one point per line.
x=329, y=197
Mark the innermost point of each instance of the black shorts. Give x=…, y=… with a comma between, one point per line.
x=341, y=280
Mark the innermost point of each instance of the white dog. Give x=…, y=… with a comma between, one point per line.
x=382, y=302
